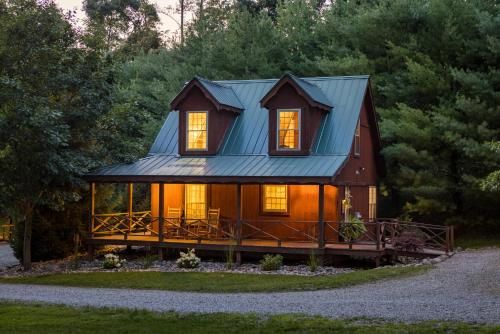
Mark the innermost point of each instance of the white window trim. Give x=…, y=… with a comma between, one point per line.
x=187, y=131
x=278, y=130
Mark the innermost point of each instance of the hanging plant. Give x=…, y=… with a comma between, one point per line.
x=352, y=229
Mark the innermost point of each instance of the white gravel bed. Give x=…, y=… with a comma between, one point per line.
x=463, y=288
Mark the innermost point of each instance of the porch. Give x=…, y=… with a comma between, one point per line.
x=230, y=225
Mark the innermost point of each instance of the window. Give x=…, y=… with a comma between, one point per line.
x=372, y=203
x=357, y=140
x=196, y=201
x=197, y=130
x=289, y=129
x=275, y=198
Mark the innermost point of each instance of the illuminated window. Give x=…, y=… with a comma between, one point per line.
x=357, y=140
x=197, y=130
x=372, y=203
x=275, y=198
x=288, y=129
x=196, y=201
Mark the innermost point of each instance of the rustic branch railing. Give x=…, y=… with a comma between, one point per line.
x=380, y=233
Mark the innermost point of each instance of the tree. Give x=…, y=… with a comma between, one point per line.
x=55, y=97
x=130, y=25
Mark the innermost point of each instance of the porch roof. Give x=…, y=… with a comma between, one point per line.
x=229, y=168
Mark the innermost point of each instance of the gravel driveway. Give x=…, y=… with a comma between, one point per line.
x=7, y=258
x=464, y=288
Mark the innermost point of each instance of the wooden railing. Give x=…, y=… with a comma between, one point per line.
x=380, y=233
x=124, y=223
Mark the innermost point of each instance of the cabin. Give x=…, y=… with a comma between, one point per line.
x=274, y=165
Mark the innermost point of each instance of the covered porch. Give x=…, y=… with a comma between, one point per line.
x=250, y=218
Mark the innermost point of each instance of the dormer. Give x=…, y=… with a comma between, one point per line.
x=206, y=111
x=296, y=108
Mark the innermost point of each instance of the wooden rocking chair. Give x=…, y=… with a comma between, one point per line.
x=214, y=223
x=173, y=222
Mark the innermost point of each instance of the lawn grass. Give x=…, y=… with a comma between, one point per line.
x=215, y=282
x=478, y=241
x=36, y=318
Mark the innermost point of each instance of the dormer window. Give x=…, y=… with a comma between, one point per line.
x=288, y=129
x=197, y=130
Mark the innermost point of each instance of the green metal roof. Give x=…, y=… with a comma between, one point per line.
x=244, y=152
x=222, y=93
x=312, y=90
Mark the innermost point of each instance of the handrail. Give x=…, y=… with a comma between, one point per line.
x=381, y=232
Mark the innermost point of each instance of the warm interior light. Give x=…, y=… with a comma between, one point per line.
x=288, y=127
x=197, y=131
x=275, y=198
x=196, y=201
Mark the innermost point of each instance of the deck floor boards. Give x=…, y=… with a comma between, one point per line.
x=256, y=245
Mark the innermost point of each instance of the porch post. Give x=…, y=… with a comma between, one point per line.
x=161, y=203
x=130, y=191
x=92, y=209
x=321, y=216
x=238, y=222
x=90, y=246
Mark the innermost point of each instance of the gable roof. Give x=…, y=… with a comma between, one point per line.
x=243, y=157
x=309, y=90
x=222, y=95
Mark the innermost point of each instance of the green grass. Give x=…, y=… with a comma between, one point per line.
x=35, y=318
x=471, y=241
x=215, y=282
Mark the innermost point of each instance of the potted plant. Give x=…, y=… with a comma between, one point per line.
x=352, y=229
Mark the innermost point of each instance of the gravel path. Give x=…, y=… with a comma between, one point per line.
x=464, y=288
x=7, y=258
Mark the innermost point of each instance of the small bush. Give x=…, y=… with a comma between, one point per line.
x=408, y=241
x=313, y=262
x=112, y=261
x=188, y=260
x=230, y=257
x=271, y=262
x=148, y=261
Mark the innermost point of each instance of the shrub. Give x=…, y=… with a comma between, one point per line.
x=271, y=262
x=53, y=234
x=408, y=241
x=313, y=262
x=188, y=260
x=148, y=261
x=230, y=257
x=112, y=261
x=353, y=229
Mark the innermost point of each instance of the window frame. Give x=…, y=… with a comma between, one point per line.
x=299, y=146
x=357, y=139
x=263, y=210
x=372, y=205
x=187, y=131
x=186, y=198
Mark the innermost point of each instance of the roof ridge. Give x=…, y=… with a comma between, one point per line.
x=341, y=77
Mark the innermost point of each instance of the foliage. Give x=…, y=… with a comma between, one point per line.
x=36, y=318
x=313, y=261
x=112, y=261
x=353, y=229
x=217, y=282
x=492, y=181
x=188, y=260
x=409, y=241
x=148, y=260
x=271, y=262
x=230, y=257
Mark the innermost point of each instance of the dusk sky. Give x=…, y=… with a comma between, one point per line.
x=167, y=22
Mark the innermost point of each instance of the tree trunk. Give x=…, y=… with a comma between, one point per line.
x=182, y=22
x=28, y=222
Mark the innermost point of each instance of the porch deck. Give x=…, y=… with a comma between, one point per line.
x=366, y=248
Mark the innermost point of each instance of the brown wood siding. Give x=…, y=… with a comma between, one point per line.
x=365, y=163
x=303, y=205
x=219, y=121
x=288, y=98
